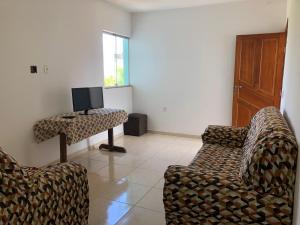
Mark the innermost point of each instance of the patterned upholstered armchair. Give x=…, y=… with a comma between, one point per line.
x=240, y=176
x=52, y=195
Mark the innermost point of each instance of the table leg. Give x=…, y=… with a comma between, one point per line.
x=63, y=147
x=110, y=146
x=111, y=137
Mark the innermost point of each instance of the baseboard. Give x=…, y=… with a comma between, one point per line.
x=175, y=134
x=89, y=148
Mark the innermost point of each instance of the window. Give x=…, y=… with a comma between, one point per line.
x=115, y=60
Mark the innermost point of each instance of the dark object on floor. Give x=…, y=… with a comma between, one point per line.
x=56, y=194
x=136, y=125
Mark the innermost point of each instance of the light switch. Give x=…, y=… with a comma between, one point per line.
x=46, y=69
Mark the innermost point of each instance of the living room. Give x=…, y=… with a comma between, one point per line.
x=181, y=62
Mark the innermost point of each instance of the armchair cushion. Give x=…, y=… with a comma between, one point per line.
x=225, y=135
x=218, y=159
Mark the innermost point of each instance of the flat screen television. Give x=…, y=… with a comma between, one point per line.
x=85, y=99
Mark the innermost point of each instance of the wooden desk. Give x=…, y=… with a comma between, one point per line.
x=72, y=130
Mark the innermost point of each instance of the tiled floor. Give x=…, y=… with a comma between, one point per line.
x=126, y=189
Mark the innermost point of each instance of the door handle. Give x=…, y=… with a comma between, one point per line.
x=236, y=87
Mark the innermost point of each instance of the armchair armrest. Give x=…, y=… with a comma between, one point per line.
x=184, y=175
x=61, y=191
x=225, y=136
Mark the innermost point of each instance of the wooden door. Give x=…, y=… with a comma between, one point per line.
x=258, y=74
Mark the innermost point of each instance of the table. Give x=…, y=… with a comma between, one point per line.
x=74, y=127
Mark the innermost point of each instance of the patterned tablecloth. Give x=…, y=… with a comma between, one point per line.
x=80, y=127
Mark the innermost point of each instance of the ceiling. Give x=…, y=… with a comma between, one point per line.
x=151, y=5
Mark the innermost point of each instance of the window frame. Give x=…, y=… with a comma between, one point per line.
x=128, y=78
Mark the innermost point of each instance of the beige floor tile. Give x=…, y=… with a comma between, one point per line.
x=170, y=155
x=140, y=216
x=93, y=154
x=157, y=164
x=115, y=172
x=144, y=177
x=91, y=165
x=99, y=185
x=153, y=200
x=189, y=141
x=188, y=158
x=160, y=184
x=185, y=161
x=127, y=189
x=120, y=191
x=144, y=154
x=127, y=192
x=142, y=150
x=130, y=160
x=105, y=212
x=106, y=156
x=193, y=151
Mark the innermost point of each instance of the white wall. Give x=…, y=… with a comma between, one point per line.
x=66, y=35
x=184, y=60
x=291, y=90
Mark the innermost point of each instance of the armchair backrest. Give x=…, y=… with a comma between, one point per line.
x=269, y=153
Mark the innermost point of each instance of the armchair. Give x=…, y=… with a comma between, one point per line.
x=52, y=195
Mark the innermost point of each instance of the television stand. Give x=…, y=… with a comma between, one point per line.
x=110, y=146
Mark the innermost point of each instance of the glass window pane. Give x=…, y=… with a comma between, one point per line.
x=109, y=63
x=120, y=61
x=126, y=60
x=115, y=60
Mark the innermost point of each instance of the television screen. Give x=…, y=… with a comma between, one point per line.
x=85, y=99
